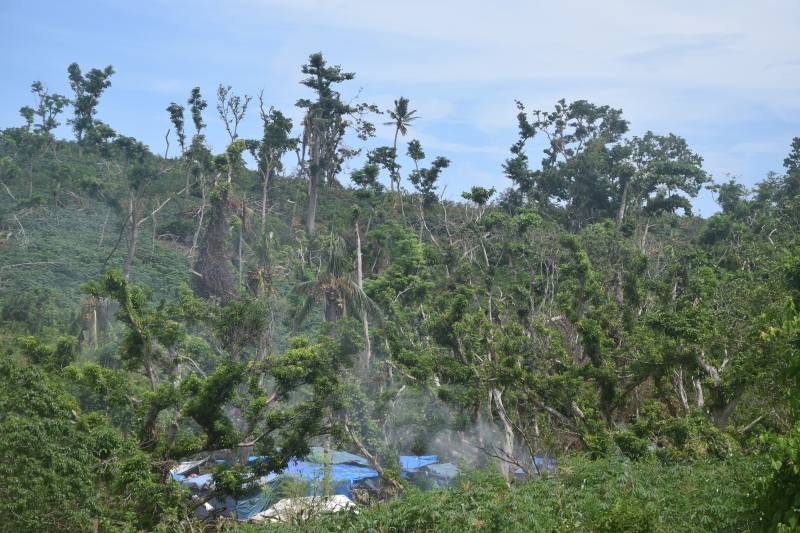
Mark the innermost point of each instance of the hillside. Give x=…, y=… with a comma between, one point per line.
x=162, y=308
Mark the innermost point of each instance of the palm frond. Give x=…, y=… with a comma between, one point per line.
x=358, y=302
x=308, y=291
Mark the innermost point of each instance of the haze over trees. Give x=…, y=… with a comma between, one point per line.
x=162, y=304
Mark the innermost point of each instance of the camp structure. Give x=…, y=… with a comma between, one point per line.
x=426, y=472
x=440, y=475
x=302, y=477
x=201, y=486
x=186, y=469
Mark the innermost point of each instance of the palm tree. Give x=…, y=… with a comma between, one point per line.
x=401, y=120
x=261, y=275
x=336, y=290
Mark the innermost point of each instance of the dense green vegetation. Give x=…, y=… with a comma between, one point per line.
x=602, y=496
x=162, y=306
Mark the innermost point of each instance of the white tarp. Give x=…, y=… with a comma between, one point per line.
x=295, y=510
x=185, y=467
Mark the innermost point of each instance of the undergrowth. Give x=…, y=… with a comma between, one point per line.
x=585, y=496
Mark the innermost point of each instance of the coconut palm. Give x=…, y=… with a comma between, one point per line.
x=401, y=120
x=336, y=290
x=261, y=274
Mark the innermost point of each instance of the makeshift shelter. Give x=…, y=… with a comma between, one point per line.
x=440, y=475
x=201, y=486
x=343, y=477
x=347, y=472
x=411, y=462
x=337, y=457
x=186, y=469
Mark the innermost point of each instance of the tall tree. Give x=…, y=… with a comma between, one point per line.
x=401, y=120
x=136, y=170
x=338, y=293
x=581, y=163
x=424, y=179
x=327, y=119
x=272, y=146
x=87, y=91
x=661, y=166
x=47, y=107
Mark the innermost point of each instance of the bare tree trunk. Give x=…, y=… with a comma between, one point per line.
x=698, y=393
x=134, y=220
x=326, y=450
x=373, y=462
x=199, y=226
x=312, y=187
x=720, y=415
x=103, y=231
x=241, y=230
x=177, y=370
x=367, y=346
x=680, y=391
x=621, y=213
x=312, y=206
x=98, y=484
x=506, y=464
x=153, y=239
x=264, y=195
x=421, y=218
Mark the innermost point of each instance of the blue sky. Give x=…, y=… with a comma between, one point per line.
x=722, y=74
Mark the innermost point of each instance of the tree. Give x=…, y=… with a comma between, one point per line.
x=327, y=119
x=424, y=179
x=660, y=167
x=197, y=150
x=137, y=171
x=273, y=145
x=401, y=120
x=339, y=295
x=88, y=90
x=791, y=186
x=26, y=147
x=156, y=342
x=581, y=167
x=48, y=107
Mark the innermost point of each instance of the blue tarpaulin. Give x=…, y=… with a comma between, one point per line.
x=346, y=473
x=337, y=457
x=444, y=470
x=551, y=466
x=408, y=462
x=317, y=456
x=343, y=477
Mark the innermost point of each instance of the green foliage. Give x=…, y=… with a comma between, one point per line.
x=585, y=310
x=46, y=475
x=600, y=496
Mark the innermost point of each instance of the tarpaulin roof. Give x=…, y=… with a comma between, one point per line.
x=344, y=476
x=182, y=468
x=317, y=456
x=408, y=462
x=203, y=482
x=337, y=457
x=444, y=470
